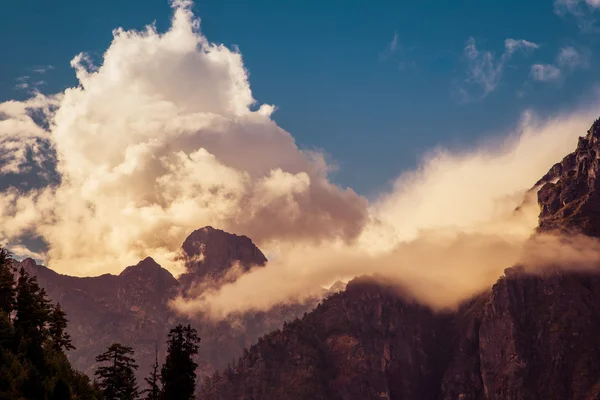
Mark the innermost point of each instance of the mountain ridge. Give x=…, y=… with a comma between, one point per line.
x=133, y=308
x=528, y=337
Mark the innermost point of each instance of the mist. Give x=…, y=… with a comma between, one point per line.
x=164, y=137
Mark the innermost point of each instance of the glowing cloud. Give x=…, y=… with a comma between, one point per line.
x=157, y=141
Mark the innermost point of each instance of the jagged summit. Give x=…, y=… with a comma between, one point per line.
x=150, y=271
x=209, y=252
x=570, y=196
x=338, y=286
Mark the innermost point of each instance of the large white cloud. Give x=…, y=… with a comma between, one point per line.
x=162, y=138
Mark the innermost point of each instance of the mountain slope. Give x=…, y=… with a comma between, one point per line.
x=132, y=307
x=527, y=338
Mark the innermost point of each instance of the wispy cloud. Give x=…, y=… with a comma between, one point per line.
x=545, y=72
x=484, y=69
x=568, y=58
x=391, y=48
x=396, y=53
x=512, y=45
x=571, y=58
x=25, y=83
x=394, y=43
x=582, y=10
x=42, y=69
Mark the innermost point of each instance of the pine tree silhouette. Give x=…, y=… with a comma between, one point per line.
x=116, y=378
x=153, y=392
x=61, y=340
x=178, y=373
x=7, y=283
x=32, y=309
x=32, y=365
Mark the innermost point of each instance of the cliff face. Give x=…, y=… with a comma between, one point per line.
x=527, y=338
x=208, y=253
x=570, y=198
x=366, y=342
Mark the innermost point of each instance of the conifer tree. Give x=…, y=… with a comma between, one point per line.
x=61, y=391
x=7, y=283
x=153, y=392
x=6, y=332
x=116, y=378
x=61, y=340
x=31, y=367
x=32, y=309
x=178, y=373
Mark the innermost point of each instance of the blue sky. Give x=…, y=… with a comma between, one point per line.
x=374, y=84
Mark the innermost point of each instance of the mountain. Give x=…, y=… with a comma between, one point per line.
x=132, y=307
x=526, y=338
x=208, y=253
x=570, y=198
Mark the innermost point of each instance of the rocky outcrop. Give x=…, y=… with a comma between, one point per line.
x=209, y=253
x=570, y=196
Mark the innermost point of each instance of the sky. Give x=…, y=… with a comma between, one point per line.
x=373, y=84
x=344, y=139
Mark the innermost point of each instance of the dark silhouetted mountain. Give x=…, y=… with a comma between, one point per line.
x=527, y=338
x=133, y=307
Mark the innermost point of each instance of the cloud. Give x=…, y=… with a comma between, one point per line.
x=25, y=84
x=164, y=136
x=571, y=58
x=160, y=139
x=444, y=231
x=512, y=45
x=392, y=48
x=42, y=69
x=568, y=58
x=545, y=72
x=484, y=70
x=582, y=10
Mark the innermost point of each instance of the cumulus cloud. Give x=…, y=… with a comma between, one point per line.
x=162, y=138
x=484, y=69
x=545, y=72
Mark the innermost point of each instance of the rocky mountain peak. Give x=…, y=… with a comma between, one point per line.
x=150, y=271
x=29, y=264
x=210, y=252
x=569, y=197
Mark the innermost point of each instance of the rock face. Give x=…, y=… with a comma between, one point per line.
x=132, y=307
x=570, y=196
x=209, y=252
x=527, y=338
